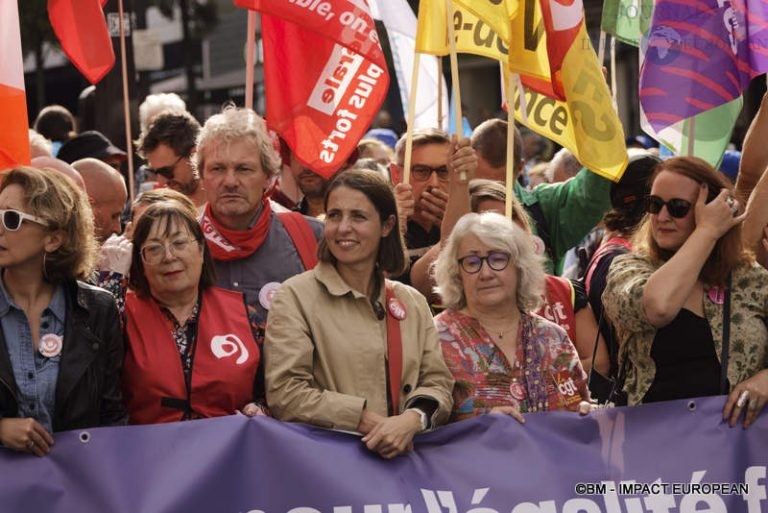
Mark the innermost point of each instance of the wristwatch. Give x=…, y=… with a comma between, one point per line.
x=423, y=417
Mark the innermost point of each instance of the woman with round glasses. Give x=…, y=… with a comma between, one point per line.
x=504, y=358
x=190, y=349
x=60, y=343
x=668, y=298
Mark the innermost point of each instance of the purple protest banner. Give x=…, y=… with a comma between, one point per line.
x=631, y=460
x=699, y=55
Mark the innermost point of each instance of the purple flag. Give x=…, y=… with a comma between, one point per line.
x=700, y=54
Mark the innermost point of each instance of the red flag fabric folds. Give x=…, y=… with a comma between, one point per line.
x=325, y=76
x=82, y=31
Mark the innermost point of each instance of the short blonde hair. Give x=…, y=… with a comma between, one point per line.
x=481, y=189
x=234, y=124
x=153, y=196
x=39, y=146
x=155, y=104
x=56, y=199
x=498, y=232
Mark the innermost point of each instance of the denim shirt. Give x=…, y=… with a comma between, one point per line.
x=35, y=374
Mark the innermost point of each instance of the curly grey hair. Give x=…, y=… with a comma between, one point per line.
x=497, y=232
x=233, y=124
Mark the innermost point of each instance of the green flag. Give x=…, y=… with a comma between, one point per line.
x=627, y=20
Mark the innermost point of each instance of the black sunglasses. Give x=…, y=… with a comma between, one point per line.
x=676, y=207
x=166, y=171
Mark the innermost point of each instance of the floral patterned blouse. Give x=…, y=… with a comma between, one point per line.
x=546, y=373
x=623, y=301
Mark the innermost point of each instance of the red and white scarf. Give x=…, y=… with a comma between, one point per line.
x=226, y=244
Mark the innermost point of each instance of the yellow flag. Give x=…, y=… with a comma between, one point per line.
x=528, y=49
x=473, y=35
x=586, y=123
x=497, y=14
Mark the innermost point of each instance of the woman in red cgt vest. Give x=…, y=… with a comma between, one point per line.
x=190, y=351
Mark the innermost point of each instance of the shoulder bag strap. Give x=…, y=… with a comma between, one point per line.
x=594, y=349
x=726, y=337
x=394, y=351
x=302, y=236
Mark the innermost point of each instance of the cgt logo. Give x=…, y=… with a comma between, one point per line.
x=224, y=346
x=567, y=387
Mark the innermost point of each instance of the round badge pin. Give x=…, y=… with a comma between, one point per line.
x=716, y=295
x=517, y=391
x=396, y=308
x=50, y=345
x=538, y=245
x=266, y=293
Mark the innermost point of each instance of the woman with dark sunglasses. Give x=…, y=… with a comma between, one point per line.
x=504, y=358
x=666, y=299
x=60, y=344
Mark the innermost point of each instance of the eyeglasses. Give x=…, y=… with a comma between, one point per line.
x=154, y=253
x=422, y=172
x=166, y=171
x=497, y=261
x=676, y=207
x=12, y=219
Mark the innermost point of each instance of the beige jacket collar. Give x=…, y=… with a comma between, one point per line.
x=327, y=274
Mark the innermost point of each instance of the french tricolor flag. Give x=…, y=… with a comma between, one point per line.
x=14, y=135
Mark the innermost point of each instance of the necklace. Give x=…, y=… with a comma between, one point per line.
x=495, y=331
x=498, y=333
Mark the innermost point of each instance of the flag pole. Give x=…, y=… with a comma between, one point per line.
x=523, y=102
x=454, y=75
x=411, y=117
x=613, y=73
x=250, y=58
x=691, y=135
x=126, y=103
x=503, y=73
x=439, y=92
x=511, y=86
x=601, y=48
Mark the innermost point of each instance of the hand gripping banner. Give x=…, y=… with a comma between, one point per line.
x=674, y=457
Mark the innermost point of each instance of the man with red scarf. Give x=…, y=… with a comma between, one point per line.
x=254, y=249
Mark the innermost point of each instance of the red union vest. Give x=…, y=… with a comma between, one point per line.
x=558, y=304
x=223, y=370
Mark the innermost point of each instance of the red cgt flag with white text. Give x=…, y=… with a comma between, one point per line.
x=324, y=73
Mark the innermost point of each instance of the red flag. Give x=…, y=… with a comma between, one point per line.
x=563, y=20
x=325, y=76
x=82, y=31
x=14, y=134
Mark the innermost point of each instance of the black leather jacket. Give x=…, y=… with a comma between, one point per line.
x=88, y=386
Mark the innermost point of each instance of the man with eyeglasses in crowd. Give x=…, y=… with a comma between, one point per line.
x=423, y=199
x=167, y=146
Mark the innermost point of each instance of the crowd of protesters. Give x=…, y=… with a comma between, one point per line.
x=240, y=281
